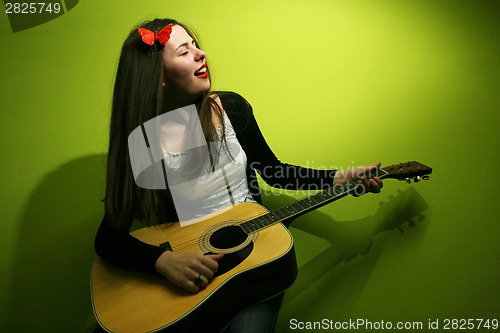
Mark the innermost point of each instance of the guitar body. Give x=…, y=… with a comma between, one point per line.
x=255, y=267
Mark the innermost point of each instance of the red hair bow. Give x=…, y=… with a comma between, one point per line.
x=161, y=36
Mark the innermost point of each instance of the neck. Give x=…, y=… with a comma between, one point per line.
x=173, y=101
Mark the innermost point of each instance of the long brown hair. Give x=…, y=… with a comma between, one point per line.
x=137, y=98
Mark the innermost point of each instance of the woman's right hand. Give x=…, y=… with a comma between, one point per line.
x=183, y=269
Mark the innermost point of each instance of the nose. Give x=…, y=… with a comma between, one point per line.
x=200, y=55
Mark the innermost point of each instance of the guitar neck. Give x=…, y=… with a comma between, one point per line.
x=402, y=171
x=305, y=205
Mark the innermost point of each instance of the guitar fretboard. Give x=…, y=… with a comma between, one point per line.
x=297, y=208
x=303, y=206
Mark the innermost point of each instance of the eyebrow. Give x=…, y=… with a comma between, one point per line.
x=185, y=44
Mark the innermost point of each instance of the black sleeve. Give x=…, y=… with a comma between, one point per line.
x=118, y=247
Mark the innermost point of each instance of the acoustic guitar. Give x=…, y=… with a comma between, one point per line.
x=259, y=262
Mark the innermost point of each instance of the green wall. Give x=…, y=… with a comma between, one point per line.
x=333, y=83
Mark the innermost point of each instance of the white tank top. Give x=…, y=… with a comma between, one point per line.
x=211, y=190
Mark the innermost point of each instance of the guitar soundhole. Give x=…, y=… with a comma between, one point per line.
x=228, y=237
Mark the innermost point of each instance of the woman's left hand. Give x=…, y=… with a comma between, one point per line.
x=365, y=185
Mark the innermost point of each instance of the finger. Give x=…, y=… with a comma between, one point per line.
x=191, y=286
x=187, y=281
x=362, y=187
x=379, y=182
x=374, y=187
x=211, y=256
x=367, y=181
x=197, y=264
x=215, y=257
x=211, y=262
x=200, y=280
x=207, y=271
x=194, y=282
x=369, y=169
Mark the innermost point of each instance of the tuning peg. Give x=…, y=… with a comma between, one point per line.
x=408, y=180
x=426, y=177
x=417, y=179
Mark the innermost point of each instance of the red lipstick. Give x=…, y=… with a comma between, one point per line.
x=202, y=72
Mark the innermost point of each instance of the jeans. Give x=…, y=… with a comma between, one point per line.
x=258, y=318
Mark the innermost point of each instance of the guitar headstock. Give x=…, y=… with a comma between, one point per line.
x=408, y=171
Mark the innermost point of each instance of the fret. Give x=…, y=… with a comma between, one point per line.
x=251, y=225
x=333, y=194
x=274, y=218
x=319, y=199
x=292, y=209
x=296, y=207
x=255, y=224
x=312, y=200
x=302, y=204
x=259, y=221
x=246, y=228
x=289, y=209
x=323, y=196
x=278, y=212
x=267, y=219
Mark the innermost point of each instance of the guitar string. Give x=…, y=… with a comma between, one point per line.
x=193, y=243
x=324, y=195
x=224, y=235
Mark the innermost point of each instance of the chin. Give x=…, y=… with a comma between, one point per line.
x=205, y=89
x=208, y=86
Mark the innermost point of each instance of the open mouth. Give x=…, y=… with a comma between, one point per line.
x=202, y=72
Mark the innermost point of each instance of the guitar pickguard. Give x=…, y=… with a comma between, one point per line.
x=231, y=260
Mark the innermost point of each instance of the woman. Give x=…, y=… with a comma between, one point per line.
x=162, y=69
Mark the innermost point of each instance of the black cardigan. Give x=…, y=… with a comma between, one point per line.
x=122, y=249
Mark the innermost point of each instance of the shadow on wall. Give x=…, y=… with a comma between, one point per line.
x=348, y=240
x=51, y=268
